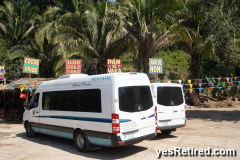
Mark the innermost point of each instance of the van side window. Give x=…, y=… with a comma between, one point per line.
x=68, y=100
x=88, y=100
x=50, y=101
x=34, y=101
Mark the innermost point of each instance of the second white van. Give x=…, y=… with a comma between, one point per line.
x=171, y=108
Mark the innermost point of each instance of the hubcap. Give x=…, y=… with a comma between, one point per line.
x=80, y=141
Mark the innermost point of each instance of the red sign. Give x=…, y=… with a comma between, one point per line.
x=73, y=66
x=23, y=95
x=114, y=65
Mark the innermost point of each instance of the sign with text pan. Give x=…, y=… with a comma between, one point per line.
x=155, y=65
x=31, y=65
x=2, y=72
x=114, y=65
x=73, y=66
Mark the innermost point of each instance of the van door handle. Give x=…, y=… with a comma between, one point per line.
x=37, y=112
x=175, y=111
x=143, y=118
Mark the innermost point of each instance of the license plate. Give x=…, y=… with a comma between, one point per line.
x=129, y=136
x=163, y=123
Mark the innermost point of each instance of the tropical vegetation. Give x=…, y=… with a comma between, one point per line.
x=195, y=38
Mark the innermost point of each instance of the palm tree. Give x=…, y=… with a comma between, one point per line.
x=149, y=24
x=199, y=49
x=18, y=22
x=89, y=31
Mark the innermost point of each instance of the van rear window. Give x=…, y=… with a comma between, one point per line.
x=169, y=96
x=135, y=98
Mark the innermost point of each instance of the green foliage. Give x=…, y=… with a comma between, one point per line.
x=3, y=49
x=175, y=64
x=134, y=30
x=13, y=115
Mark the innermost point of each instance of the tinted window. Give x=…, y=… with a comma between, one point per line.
x=34, y=101
x=90, y=100
x=68, y=100
x=50, y=101
x=132, y=97
x=169, y=96
x=74, y=100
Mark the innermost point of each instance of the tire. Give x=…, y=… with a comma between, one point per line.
x=166, y=132
x=80, y=141
x=29, y=131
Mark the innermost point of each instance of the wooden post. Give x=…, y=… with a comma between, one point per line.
x=4, y=100
x=28, y=87
x=156, y=78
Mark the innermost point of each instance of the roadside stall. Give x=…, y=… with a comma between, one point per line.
x=14, y=95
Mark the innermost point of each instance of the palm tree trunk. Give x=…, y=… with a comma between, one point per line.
x=139, y=65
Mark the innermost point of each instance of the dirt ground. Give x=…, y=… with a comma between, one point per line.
x=218, y=128
x=220, y=102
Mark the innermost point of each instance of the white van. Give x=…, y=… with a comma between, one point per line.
x=171, y=108
x=100, y=110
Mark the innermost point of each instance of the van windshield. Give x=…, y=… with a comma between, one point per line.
x=169, y=96
x=135, y=98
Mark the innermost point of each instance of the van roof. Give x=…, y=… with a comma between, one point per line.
x=78, y=78
x=167, y=84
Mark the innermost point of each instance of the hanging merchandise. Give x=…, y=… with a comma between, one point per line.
x=182, y=85
x=200, y=90
x=23, y=95
x=235, y=78
x=227, y=79
x=219, y=79
x=200, y=85
x=229, y=83
x=219, y=83
x=209, y=80
x=24, y=81
x=169, y=81
x=179, y=81
x=220, y=88
x=238, y=87
x=15, y=79
x=12, y=86
x=210, y=89
x=209, y=84
x=189, y=81
x=199, y=80
x=35, y=82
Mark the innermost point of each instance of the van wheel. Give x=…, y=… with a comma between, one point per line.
x=29, y=131
x=80, y=141
x=167, y=132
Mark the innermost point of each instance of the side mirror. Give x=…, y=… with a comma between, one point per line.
x=27, y=105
